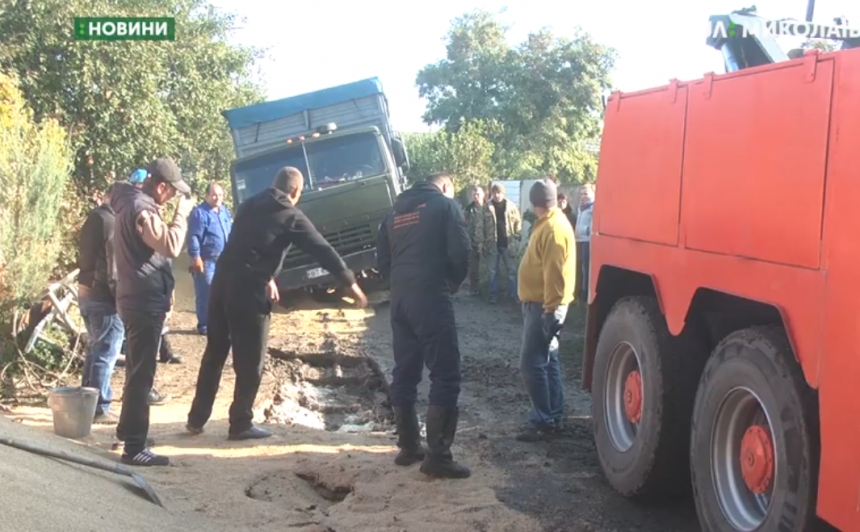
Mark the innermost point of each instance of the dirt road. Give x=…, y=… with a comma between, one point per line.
x=329, y=466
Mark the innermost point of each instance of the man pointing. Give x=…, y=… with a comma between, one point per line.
x=244, y=292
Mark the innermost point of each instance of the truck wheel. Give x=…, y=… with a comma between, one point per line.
x=643, y=390
x=754, y=449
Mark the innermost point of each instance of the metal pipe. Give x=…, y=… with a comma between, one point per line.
x=810, y=9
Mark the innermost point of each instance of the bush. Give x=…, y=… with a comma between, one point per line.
x=35, y=167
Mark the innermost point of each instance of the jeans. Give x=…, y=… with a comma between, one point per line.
x=502, y=256
x=239, y=320
x=424, y=332
x=105, y=333
x=540, y=366
x=143, y=340
x=202, y=284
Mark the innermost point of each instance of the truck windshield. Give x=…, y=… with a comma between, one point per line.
x=347, y=158
x=331, y=161
x=255, y=175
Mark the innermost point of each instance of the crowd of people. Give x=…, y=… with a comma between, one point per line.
x=426, y=248
x=495, y=231
x=126, y=291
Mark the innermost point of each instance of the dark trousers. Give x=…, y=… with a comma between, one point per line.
x=424, y=332
x=143, y=339
x=238, y=318
x=583, y=263
x=475, y=270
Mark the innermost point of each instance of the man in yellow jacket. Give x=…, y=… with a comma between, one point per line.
x=546, y=279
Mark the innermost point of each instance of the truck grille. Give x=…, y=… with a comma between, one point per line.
x=344, y=242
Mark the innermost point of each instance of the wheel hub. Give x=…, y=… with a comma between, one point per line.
x=633, y=396
x=757, y=459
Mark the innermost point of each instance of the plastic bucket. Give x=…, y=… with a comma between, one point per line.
x=73, y=409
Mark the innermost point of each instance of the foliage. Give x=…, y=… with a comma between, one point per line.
x=125, y=103
x=35, y=165
x=539, y=102
x=466, y=154
x=820, y=44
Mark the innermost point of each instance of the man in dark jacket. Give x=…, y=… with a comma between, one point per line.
x=423, y=248
x=144, y=245
x=244, y=292
x=97, y=302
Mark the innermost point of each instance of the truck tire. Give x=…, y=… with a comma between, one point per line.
x=754, y=444
x=643, y=390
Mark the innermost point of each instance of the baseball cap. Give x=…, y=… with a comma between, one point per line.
x=137, y=177
x=164, y=170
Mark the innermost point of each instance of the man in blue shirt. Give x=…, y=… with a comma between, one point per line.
x=208, y=230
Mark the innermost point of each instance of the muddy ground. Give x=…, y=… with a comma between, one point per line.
x=329, y=465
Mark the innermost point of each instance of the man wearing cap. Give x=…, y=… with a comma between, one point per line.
x=138, y=177
x=546, y=279
x=144, y=246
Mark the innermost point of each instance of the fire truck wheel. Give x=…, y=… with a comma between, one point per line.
x=754, y=449
x=642, y=395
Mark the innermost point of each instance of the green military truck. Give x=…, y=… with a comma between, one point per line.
x=353, y=162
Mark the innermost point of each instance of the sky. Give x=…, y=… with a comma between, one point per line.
x=314, y=44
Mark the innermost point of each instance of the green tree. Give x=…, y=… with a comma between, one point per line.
x=540, y=101
x=465, y=153
x=35, y=164
x=125, y=103
x=821, y=44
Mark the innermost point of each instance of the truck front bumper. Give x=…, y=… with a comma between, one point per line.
x=314, y=275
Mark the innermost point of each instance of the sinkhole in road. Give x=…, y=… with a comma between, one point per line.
x=328, y=390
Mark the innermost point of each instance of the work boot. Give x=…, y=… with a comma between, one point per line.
x=441, y=427
x=408, y=436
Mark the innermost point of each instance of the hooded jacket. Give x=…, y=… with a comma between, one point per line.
x=423, y=246
x=97, y=277
x=265, y=227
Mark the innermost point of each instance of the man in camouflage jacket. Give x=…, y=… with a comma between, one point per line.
x=504, y=228
x=478, y=220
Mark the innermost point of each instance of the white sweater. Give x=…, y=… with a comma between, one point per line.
x=583, y=223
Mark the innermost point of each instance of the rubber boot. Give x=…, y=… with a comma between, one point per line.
x=441, y=428
x=408, y=436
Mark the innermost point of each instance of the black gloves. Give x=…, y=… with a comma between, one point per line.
x=551, y=326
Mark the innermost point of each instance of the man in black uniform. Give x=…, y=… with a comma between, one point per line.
x=423, y=248
x=243, y=292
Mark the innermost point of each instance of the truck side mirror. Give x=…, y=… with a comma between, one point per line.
x=401, y=157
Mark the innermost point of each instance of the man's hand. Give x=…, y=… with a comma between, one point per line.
x=358, y=293
x=551, y=326
x=196, y=265
x=186, y=203
x=272, y=292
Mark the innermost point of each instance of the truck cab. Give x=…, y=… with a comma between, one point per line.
x=354, y=166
